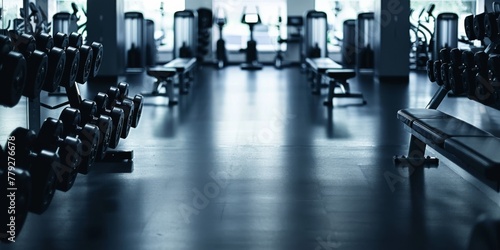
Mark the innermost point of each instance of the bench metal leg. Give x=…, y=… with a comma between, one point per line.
x=170, y=93
x=345, y=92
x=416, y=156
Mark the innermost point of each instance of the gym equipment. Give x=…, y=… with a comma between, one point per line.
x=56, y=61
x=365, y=40
x=71, y=68
x=36, y=61
x=422, y=46
x=348, y=49
x=295, y=38
x=41, y=165
x=85, y=68
x=205, y=22
x=12, y=72
x=185, y=34
x=64, y=22
x=251, y=61
x=455, y=72
x=15, y=187
x=137, y=100
x=151, y=50
x=117, y=115
x=446, y=32
x=51, y=137
x=135, y=46
x=315, y=37
x=88, y=134
x=221, y=53
x=126, y=105
x=89, y=115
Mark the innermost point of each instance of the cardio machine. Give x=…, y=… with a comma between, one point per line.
x=251, y=62
x=220, y=20
x=295, y=38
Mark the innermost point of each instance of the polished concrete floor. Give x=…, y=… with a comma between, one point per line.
x=251, y=160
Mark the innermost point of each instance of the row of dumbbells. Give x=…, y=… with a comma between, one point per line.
x=467, y=73
x=62, y=149
x=483, y=25
x=30, y=64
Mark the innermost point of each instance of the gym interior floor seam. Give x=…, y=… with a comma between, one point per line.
x=252, y=160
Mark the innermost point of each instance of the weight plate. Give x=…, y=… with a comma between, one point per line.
x=97, y=59
x=61, y=40
x=89, y=135
x=469, y=27
x=44, y=42
x=138, y=104
x=37, y=72
x=71, y=119
x=71, y=67
x=118, y=117
x=490, y=25
x=88, y=110
x=69, y=152
x=105, y=124
x=86, y=57
x=55, y=71
x=43, y=181
x=128, y=110
x=123, y=87
x=479, y=31
x=13, y=74
x=75, y=40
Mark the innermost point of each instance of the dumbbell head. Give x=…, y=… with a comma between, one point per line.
x=71, y=67
x=75, y=40
x=490, y=25
x=456, y=57
x=123, y=87
x=55, y=71
x=86, y=57
x=117, y=116
x=469, y=27
x=61, y=40
x=69, y=148
x=127, y=106
x=479, y=30
x=37, y=71
x=44, y=42
x=97, y=59
x=455, y=80
x=13, y=74
x=445, y=70
x=89, y=114
x=444, y=55
x=40, y=166
x=437, y=72
x=494, y=66
x=468, y=59
x=430, y=71
x=481, y=61
x=25, y=44
x=137, y=100
x=71, y=119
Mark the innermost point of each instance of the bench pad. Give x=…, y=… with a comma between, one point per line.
x=408, y=116
x=438, y=130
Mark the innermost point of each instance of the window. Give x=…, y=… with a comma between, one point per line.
x=237, y=34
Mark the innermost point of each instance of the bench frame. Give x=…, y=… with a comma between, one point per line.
x=329, y=73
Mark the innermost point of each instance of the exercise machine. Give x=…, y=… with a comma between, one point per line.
x=135, y=47
x=251, y=19
x=221, y=54
x=422, y=45
x=296, y=22
x=185, y=34
x=365, y=40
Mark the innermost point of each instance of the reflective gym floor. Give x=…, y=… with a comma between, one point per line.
x=252, y=160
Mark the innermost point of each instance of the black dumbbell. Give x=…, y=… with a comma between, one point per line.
x=68, y=148
x=127, y=106
x=86, y=57
x=484, y=89
x=455, y=72
x=88, y=133
x=430, y=71
x=97, y=61
x=36, y=61
x=117, y=115
x=479, y=30
x=494, y=67
x=13, y=72
x=469, y=73
x=89, y=114
x=15, y=190
x=137, y=99
x=445, y=66
x=56, y=61
x=490, y=25
x=469, y=27
x=72, y=60
x=41, y=166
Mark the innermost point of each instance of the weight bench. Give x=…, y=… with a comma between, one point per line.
x=471, y=148
x=337, y=76
x=165, y=74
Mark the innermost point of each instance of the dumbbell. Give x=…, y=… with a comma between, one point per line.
x=127, y=106
x=455, y=72
x=36, y=61
x=40, y=164
x=56, y=63
x=479, y=29
x=445, y=66
x=430, y=71
x=88, y=133
x=494, y=67
x=137, y=99
x=86, y=57
x=490, y=25
x=469, y=27
x=89, y=114
x=13, y=72
x=68, y=148
x=469, y=73
x=72, y=60
x=15, y=190
x=484, y=89
x=97, y=60
x=117, y=115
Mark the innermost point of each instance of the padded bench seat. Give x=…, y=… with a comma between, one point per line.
x=322, y=64
x=161, y=72
x=181, y=64
x=408, y=116
x=438, y=130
